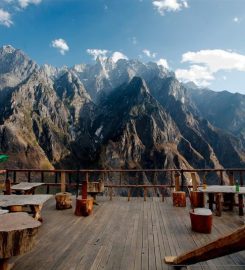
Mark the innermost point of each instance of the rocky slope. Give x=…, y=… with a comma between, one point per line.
x=109, y=115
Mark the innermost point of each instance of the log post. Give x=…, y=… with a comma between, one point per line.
x=240, y=204
x=63, y=200
x=177, y=182
x=218, y=204
x=110, y=193
x=84, y=205
x=63, y=182
x=179, y=199
x=145, y=193
x=211, y=201
x=129, y=194
x=197, y=199
x=7, y=187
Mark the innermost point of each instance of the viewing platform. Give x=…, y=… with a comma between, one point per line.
x=122, y=234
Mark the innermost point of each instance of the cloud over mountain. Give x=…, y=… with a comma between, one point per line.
x=61, y=45
x=205, y=63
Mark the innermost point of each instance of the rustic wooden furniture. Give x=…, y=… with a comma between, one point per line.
x=197, y=199
x=228, y=244
x=63, y=200
x=215, y=192
x=201, y=220
x=18, y=233
x=179, y=199
x=25, y=187
x=94, y=188
x=15, y=203
x=84, y=205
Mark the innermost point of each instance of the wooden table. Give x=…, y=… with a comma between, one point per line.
x=26, y=187
x=18, y=233
x=217, y=191
x=15, y=203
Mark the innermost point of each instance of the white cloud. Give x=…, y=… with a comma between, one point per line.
x=26, y=3
x=97, y=53
x=149, y=53
x=169, y=5
x=117, y=56
x=205, y=63
x=224, y=78
x=163, y=62
x=103, y=55
x=235, y=19
x=216, y=60
x=61, y=45
x=5, y=18
x=200, y=75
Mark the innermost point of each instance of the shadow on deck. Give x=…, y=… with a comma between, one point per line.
x=124, y=235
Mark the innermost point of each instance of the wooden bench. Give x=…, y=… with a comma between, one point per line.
x=18, y=233
x=26, y=187
x=15, y=203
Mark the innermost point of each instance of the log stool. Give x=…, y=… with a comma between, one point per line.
x=197, y=199
x=18, y=234
x=179, y=199
x=63, y=200
x=201, y=220
x=84, y=205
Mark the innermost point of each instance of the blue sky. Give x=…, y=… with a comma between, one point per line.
x=201, y=40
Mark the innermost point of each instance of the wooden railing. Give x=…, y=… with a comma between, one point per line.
x=175, y=178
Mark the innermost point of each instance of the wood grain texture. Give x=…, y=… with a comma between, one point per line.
x=124, y=235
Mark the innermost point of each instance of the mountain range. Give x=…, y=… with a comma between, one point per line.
x=125, y=114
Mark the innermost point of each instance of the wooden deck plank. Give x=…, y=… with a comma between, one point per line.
x=123, y=235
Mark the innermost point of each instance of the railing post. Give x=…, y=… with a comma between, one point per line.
x=221, y=178
x=110, y=193
x=145, y=193
x=162, y=195
x=63, y=182
x=29, y=176
x=241, y=178
x=177, y=184
x=42, y=177
x=182, y=180
x=14, y=177
x=77, y=180
x=231, y=178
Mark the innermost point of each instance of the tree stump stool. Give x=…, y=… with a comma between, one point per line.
x=197, y=199
x=84, y=207
x=201, y=220
x=63, y=200
x=179, y=199
x=18, y=233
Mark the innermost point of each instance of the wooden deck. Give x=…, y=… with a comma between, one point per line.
x=124, y=235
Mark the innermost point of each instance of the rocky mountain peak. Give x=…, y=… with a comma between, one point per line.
x=15, y=66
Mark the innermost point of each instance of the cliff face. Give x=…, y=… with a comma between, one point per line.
x=110, y=115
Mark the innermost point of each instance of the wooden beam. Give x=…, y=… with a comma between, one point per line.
x=225, y=245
